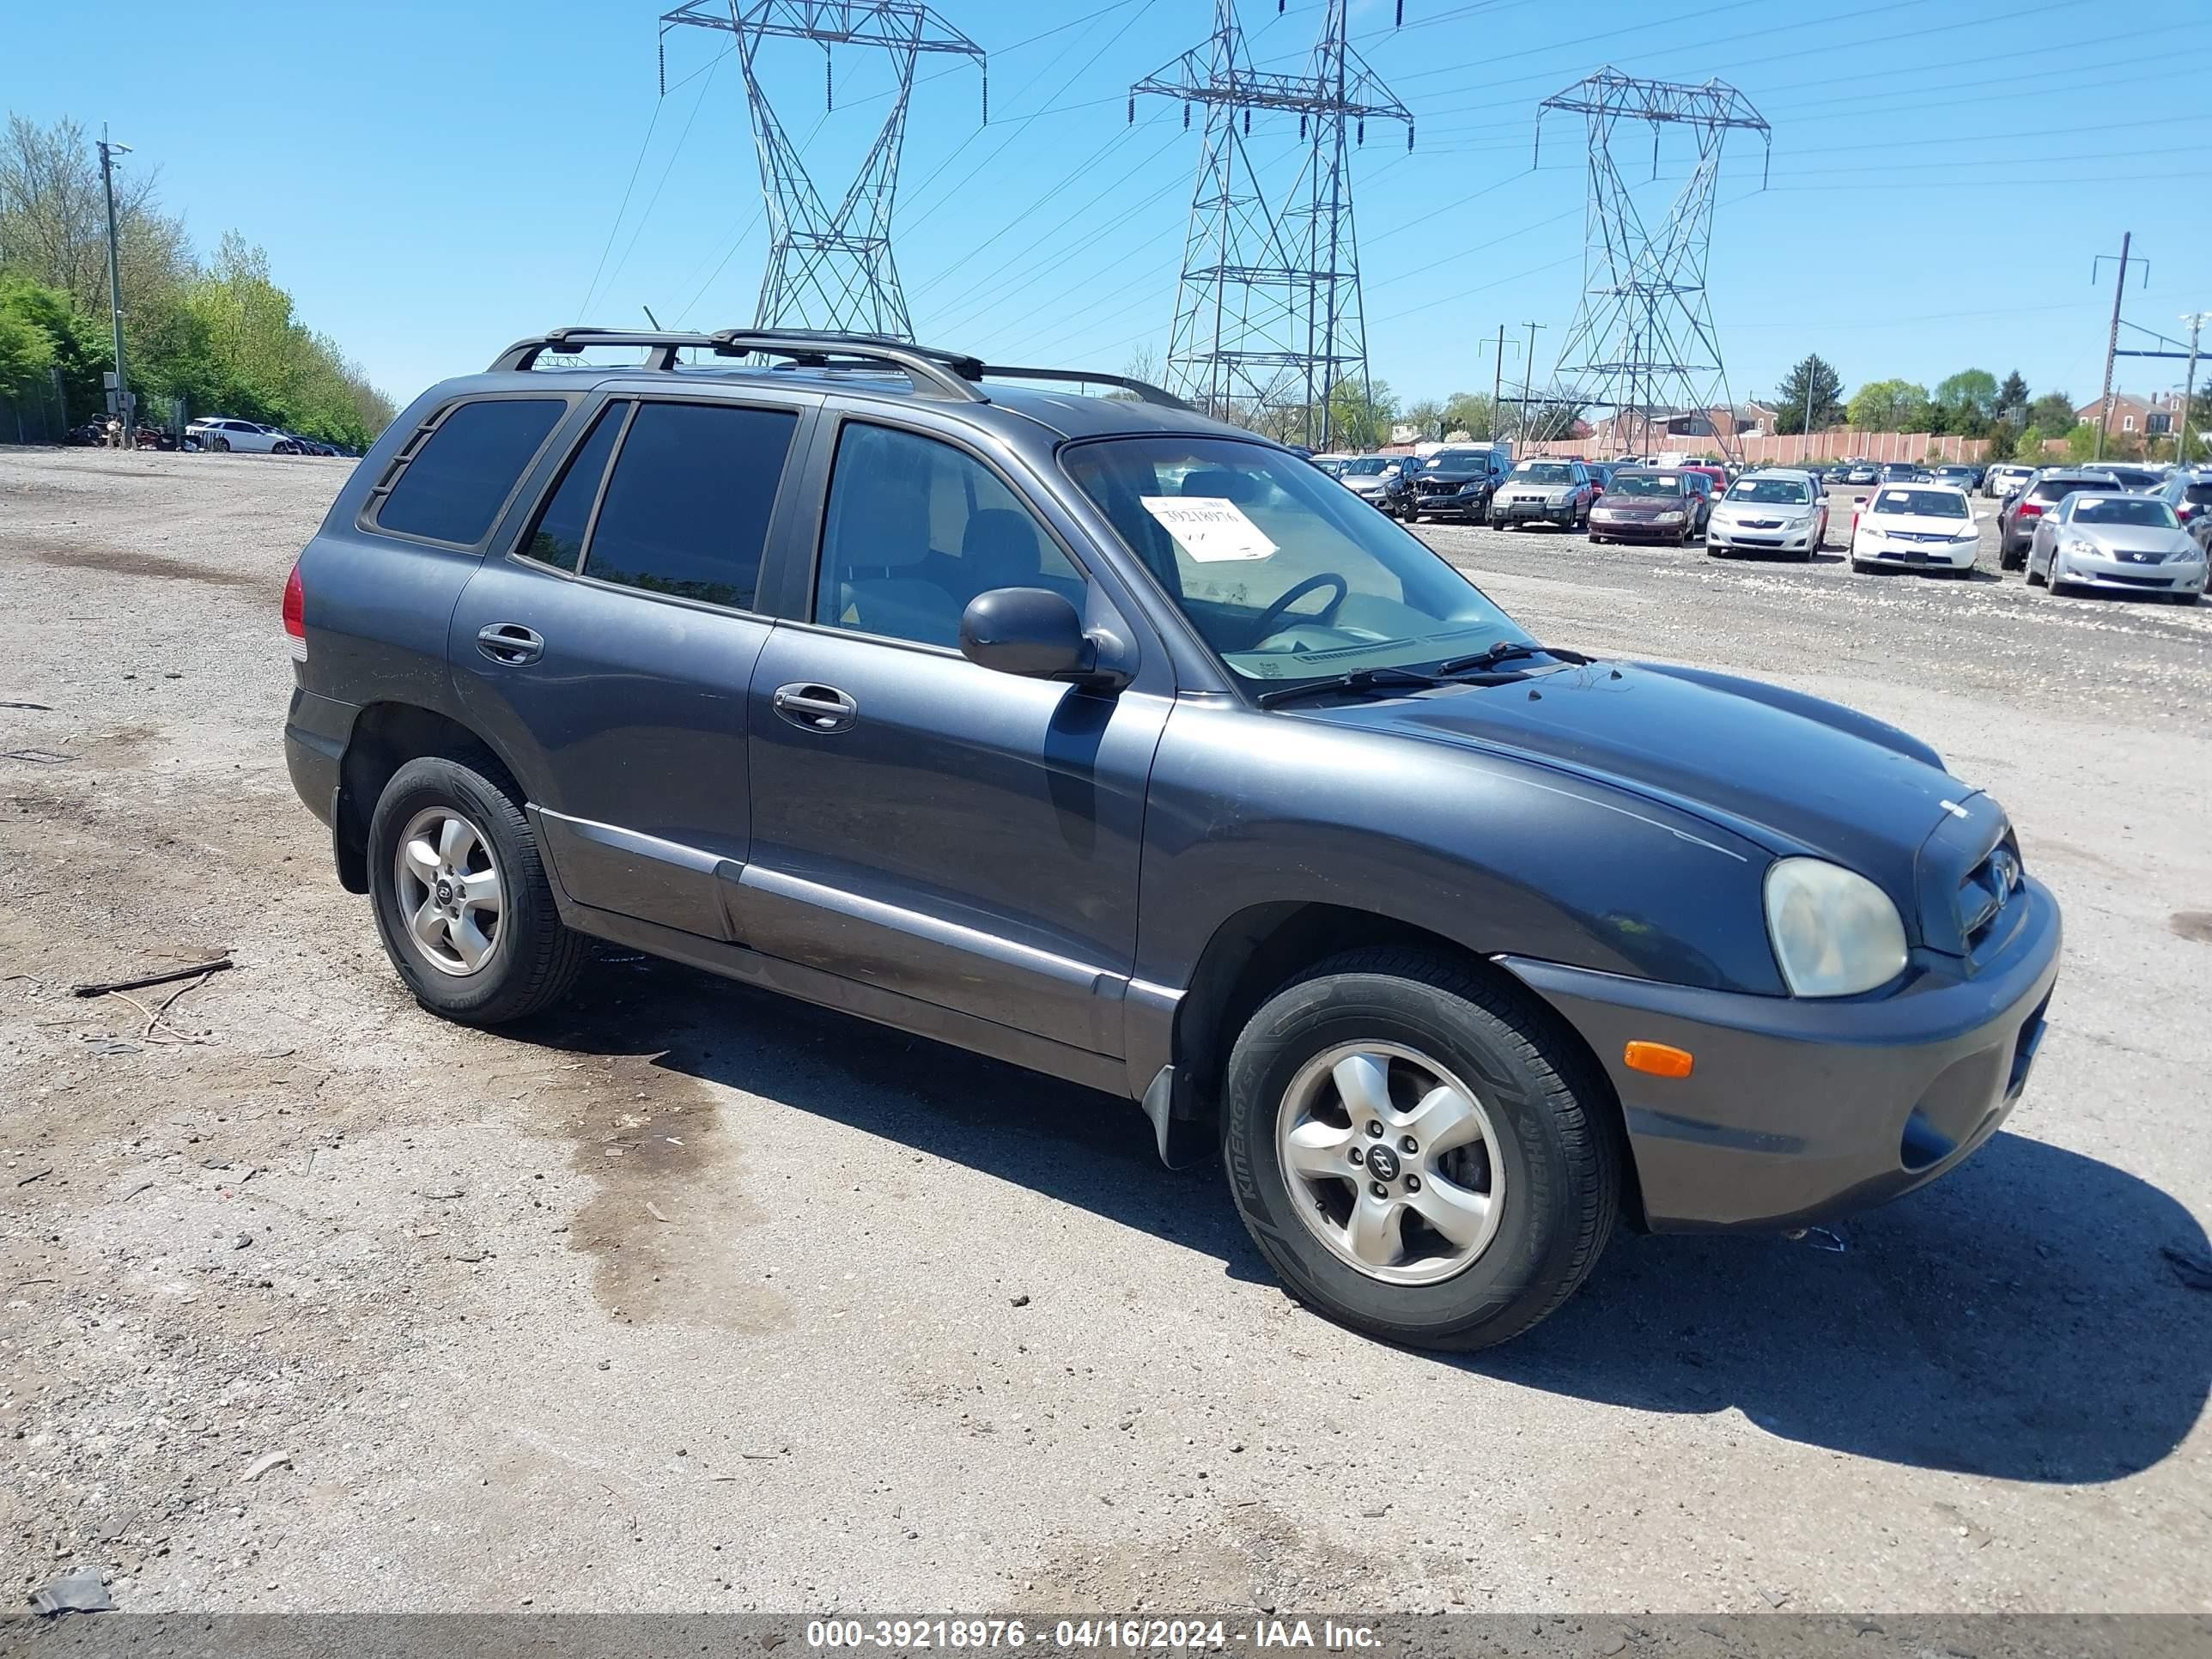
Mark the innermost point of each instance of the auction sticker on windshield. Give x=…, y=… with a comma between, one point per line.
x=1212, y=529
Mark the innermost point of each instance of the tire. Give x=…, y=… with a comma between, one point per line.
x=222, y=446
x=2033, y=580
x=1541, y=1146
x=532, y=959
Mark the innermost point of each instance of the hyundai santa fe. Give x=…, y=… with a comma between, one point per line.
x=1123, y=745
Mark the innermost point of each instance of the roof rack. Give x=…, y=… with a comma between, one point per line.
x=932, y=370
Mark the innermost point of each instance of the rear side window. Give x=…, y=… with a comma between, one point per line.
x=686, y=512
x=454, y=484
x=558, y=539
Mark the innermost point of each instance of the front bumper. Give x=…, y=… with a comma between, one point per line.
x=1936, y=555
x=2125, y=576
x=1773, y=538
x=1638, y=530
x=1514, y=512
x=1451, y=506
x=1798, y=1110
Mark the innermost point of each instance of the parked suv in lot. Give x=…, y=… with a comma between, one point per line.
x=1124, y=745
x=1544, y=492
x=1456, y=482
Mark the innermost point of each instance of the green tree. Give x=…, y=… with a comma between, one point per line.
x=1426, y=417
x=2012, y=397
x=1361, y=415
x=26, y=355
x=2053, y=411
x=1470, y=412
x=78, y=345
x=1890, y=406
x=1813, y=379
x=1965, y=403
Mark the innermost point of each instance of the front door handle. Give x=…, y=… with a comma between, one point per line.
x=812, y=708
x=511, y=643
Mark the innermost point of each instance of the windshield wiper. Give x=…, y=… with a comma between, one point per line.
x=1360, y=679
x=1503, y=650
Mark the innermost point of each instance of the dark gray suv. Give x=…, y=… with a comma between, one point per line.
x=1125, y=745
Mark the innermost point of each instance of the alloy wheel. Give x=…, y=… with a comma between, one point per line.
x=1392, y=1161
x=452, y=896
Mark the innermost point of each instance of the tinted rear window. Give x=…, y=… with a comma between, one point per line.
x=2057, y=490
x=686, y=512
x=452, y=487
x=2200, y=493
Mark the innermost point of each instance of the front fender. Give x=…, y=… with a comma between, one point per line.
x=1495, y=853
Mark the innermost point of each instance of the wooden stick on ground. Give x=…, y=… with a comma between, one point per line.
x=107, y=987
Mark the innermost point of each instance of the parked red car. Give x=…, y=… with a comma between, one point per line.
x=1653, y=504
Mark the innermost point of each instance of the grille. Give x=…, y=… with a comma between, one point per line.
x=1991, y=886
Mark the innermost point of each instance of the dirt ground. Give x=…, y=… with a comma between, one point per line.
x=688, y=1298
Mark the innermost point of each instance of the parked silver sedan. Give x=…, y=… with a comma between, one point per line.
x=2118, y=544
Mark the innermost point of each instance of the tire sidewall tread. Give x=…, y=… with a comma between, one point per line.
x=1560, y=1154
x=535, y=959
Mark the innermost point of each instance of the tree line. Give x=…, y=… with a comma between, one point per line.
x=207, y=336
x=1972, y=404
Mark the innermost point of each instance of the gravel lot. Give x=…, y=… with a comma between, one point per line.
x=691, y=1299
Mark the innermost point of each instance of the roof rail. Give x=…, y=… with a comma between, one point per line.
x=524, y=354
x=932, y=370
x=1145, y=390
x=946, y=373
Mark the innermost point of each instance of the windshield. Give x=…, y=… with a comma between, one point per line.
x=2145, y=510
x=1286, y=578
x=1922, y=503
x=1778, y=491
x=1544, y=472
x=1459, y=460
x=1645, y=483
x=1365, y=466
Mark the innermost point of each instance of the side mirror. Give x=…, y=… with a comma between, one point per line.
x=1034, y=633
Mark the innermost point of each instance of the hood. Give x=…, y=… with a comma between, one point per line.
x=2119, y=538
x=1919, y=524
x=1787, y=771
x=1644, y=506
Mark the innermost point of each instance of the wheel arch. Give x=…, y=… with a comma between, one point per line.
x=1257, y=951
x=384, y=737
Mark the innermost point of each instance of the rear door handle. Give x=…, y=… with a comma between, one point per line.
x=812, y=708
x=511, y=643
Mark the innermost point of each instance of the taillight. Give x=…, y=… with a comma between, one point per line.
x=2030, y=509
x=295, y=613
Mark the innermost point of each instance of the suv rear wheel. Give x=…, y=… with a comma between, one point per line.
x=461, y=898
x=1416, y=1153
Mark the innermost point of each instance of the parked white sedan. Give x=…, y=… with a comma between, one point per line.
x=1916, y=527
x=220, y=432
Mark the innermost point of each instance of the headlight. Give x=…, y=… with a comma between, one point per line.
x=1835, y=933
x=1668, y=517
x=2077, y=547
x=1609, y=513
x=2187, y=553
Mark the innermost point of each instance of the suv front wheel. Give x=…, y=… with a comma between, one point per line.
x=461, y=897
x=1416, y=1152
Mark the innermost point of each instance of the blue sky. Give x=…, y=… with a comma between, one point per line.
x=432, y=180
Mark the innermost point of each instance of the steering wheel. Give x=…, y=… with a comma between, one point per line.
x=1265, y=625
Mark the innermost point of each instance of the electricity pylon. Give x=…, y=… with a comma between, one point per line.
x=1642, y=340
x=1267, y=316
x=830, y=269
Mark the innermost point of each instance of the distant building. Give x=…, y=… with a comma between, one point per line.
x=2154, y=416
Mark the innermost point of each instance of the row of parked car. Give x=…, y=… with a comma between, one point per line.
x=2116, y=528
x=223, y=434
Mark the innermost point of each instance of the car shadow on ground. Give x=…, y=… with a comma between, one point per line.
x=2037, y=1315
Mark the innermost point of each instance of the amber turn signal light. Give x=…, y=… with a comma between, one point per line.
x=1660, y=1058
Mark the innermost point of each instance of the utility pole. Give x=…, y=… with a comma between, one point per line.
x=1527, y=373
x=1498, y=381
x=1807, y=430
x=2196, y=319
x=108, y=153
x=2112, y=340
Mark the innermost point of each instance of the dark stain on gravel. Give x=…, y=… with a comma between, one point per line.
x=2193, y=925
x=117, y=562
